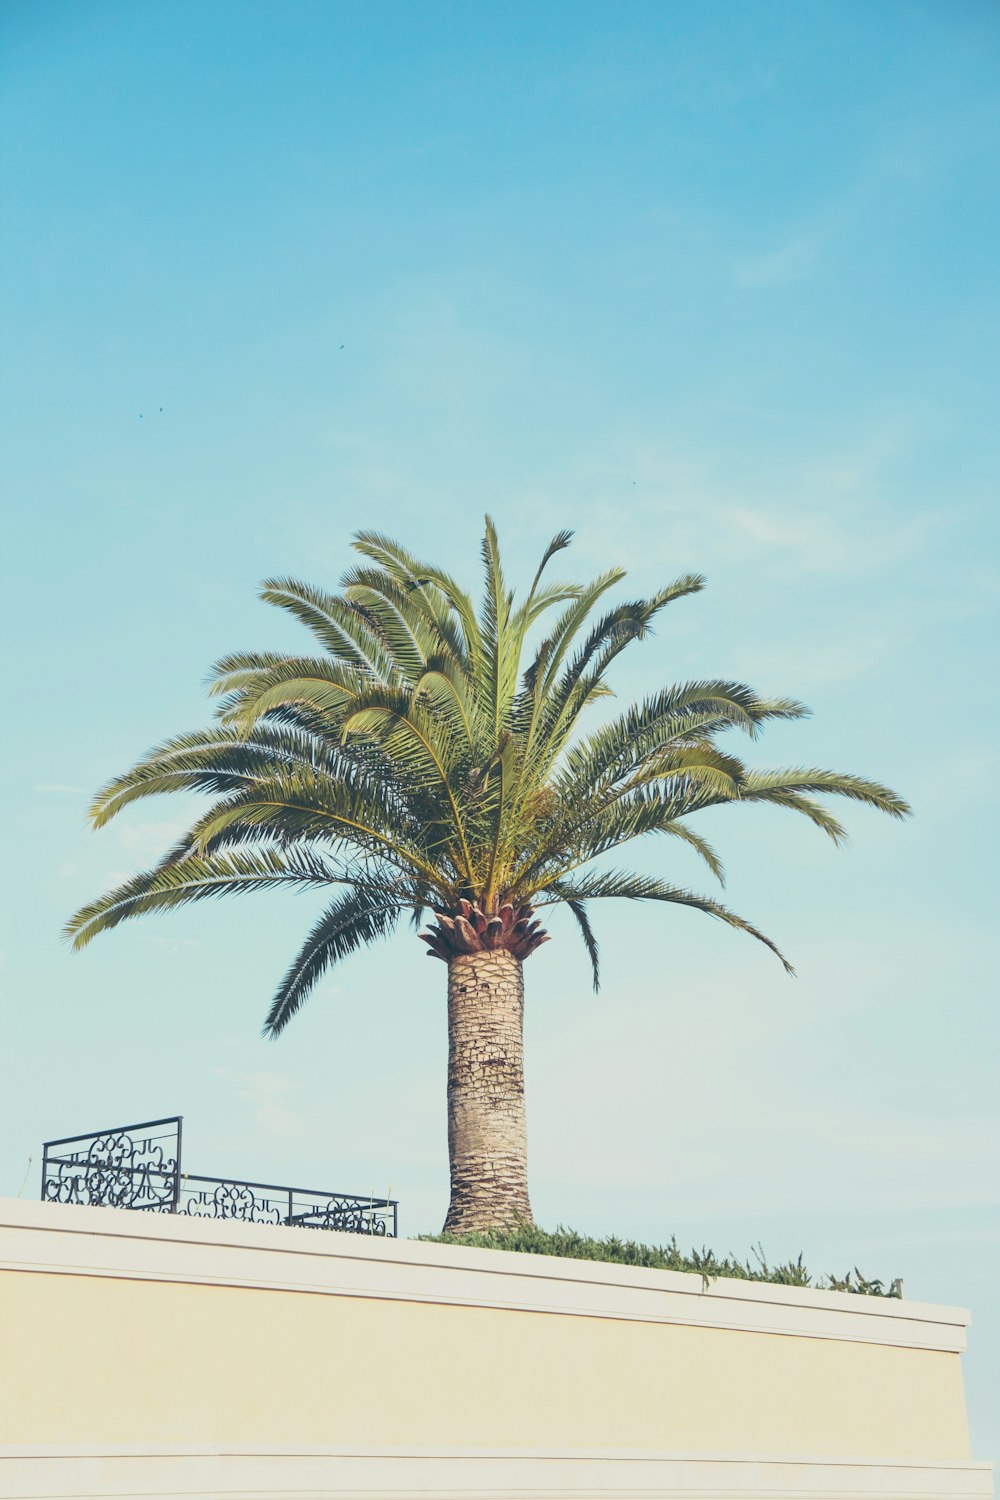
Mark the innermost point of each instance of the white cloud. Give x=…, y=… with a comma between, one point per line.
x=269, y=1096
x=168, y=945
x=152, y=837
x=793, y=261
x=908, y=157
x=58, y=788
x=820, y=661
x=824, y=514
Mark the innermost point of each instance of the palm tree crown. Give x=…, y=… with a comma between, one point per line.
x=432, y=757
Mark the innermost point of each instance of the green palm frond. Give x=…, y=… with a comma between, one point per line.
x=231, y=673
x=857, y=788
x=497, y=681
x=193, y=879
x=325, y=688
x=579, y=910
x=435, y=594
x=559, y=543
x=390, y=612
x=808, y=806
x=417, y=601
x=296, y=810
x=700, y=845
x=443, y=687
x=625, y=886
x=702, y=709
x=338, y=626
x=595, y=826
x=214, y=761
x=540, y=602
x=574, y=618
x=359, y=916
x=429, y=754
x=222, y=760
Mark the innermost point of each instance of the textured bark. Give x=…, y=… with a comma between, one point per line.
x=487, y=1131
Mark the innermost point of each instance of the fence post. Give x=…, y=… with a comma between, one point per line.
x=175, y=1205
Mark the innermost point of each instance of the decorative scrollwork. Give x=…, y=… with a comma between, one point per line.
x=231, y=1200
x=347, y=1214
x=118, y=1169
x=139, y=1166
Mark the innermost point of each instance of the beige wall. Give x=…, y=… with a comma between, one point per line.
x=109, y=1360
x=131, y=1339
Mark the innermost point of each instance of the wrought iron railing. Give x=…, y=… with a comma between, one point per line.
x=139, y=1166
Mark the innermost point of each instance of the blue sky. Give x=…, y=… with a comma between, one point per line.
x=713, y=284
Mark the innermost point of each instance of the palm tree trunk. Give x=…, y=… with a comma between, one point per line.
x=487, y=1132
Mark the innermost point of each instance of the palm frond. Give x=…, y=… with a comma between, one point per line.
x=497, y=680
x=807, y=806
x=443, y=686
x=836, y=783
x=193, y=879
x=325, y=688
x=417, y=761
x=335, y=623
x=417, y=599
x=433, y=594
x=231, y=673
x=699, y=708
x=298, y=808
x=700, y=845
x=358, y=917
x=559, y=543
x=629, y=887
x=579, y=910
x=570, y=623
x=390, y=612
x=589, y=829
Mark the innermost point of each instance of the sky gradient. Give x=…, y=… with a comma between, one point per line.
x=714, y=285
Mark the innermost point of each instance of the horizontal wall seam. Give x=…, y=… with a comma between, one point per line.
x=521, y=1455
x=460, y=1476
x=930, y=1337
x=59, y=1220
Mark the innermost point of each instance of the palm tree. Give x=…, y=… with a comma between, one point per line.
x=415, y=765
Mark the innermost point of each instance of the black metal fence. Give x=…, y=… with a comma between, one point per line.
x=139, y=1166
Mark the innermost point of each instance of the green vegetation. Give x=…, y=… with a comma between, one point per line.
x=567, y=1242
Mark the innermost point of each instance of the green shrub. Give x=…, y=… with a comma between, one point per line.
x=567, y=1242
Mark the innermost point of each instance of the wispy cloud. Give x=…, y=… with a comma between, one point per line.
x=816, y=661
x=791, y=262
x=909, y=159
x=168, y=945
x=821, y=514
x=57, y=788
x=152, y=837
x=270, y=1097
